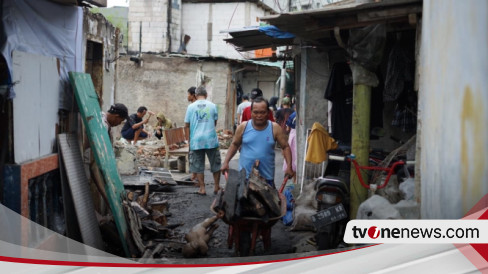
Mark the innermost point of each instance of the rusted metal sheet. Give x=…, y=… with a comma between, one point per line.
x=102, y=149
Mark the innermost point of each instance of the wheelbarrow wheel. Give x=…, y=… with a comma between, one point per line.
x=244, y=243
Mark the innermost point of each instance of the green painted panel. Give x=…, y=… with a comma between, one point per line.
x=101, y=146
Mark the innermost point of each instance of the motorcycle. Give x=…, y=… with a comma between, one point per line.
x=332, y=196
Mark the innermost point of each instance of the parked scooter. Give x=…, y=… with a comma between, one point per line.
x=332, y=196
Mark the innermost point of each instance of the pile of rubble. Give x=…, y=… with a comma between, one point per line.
x=225, y=138
x=130, y=157
x=151, y=235
x=152, y=152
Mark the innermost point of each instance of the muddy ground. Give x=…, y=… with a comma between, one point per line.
x=189, y=209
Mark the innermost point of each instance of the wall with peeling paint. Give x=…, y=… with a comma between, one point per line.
x=313, y=75
x=98, y=29
x=161, y=84
x=453, y=107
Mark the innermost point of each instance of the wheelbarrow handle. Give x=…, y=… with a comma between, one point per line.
x=284, y=183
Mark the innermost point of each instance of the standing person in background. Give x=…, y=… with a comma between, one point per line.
x=162, y=124
x=290, y=126
x=284, y=112
x=201, y=119
x=191, y=95
x=133, y=129
x=273, y=101
x=192, y=98
x=246, y=114
x=245, y=103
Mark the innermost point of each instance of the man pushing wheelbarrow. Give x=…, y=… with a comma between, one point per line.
x=256, y=138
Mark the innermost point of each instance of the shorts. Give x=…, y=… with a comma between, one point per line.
x=128, y=134
x=197, y=160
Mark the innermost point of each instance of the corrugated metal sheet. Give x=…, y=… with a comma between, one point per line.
x=80, y=191
x=251, y=38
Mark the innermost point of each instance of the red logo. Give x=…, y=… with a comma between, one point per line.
x=373, y=232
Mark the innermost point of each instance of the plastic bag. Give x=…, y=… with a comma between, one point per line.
x=365, y=48
x=290, y=204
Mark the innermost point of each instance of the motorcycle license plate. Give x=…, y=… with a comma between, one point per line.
x=329, y=216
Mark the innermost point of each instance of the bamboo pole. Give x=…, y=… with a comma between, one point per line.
x=360, y=143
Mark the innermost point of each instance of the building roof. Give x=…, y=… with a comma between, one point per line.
x=251, y=38
x=316, y=26
x=222, y=58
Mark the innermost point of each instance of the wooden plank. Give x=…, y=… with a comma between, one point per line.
x=102, y=149
x=28, y=171
x=230, y=194
x=31, y=170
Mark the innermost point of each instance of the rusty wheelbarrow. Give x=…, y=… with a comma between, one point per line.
x=245, y=230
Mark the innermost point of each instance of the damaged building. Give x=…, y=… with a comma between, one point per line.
x=416, y=92
x=42, y=42
x=44, y=126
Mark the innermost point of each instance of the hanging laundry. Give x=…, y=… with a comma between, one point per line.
x=339, y=92
x=319, y=142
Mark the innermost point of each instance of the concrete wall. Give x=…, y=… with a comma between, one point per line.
x=153, y=15
x=175, y=25
x=311, y=107
x=118, y=16
x=98, y=29
x=161, y=84
x=453, y=107
x=222, y=16
x=263, y=77
x=279, y=6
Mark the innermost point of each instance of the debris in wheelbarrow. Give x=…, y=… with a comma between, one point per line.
x=252, y=197
x=250, y=208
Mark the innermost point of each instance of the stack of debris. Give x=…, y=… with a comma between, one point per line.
x=225, y=138
x=151, y=154
x=130, y=157
x=252, y=197
x=148, y=225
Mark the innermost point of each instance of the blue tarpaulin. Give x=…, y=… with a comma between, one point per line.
x=275, y=32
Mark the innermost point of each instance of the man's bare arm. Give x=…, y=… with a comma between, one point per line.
x=234, y=146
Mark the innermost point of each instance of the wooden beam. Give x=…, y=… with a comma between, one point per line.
x=388, y=13
x=28, y=171
x=31, y=170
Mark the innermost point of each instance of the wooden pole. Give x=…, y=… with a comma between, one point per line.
x=360, y=143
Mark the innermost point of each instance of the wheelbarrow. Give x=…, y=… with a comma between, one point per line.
x=244, y=231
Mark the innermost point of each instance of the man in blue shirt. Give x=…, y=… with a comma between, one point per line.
x=257, y=138
x=201, y=118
